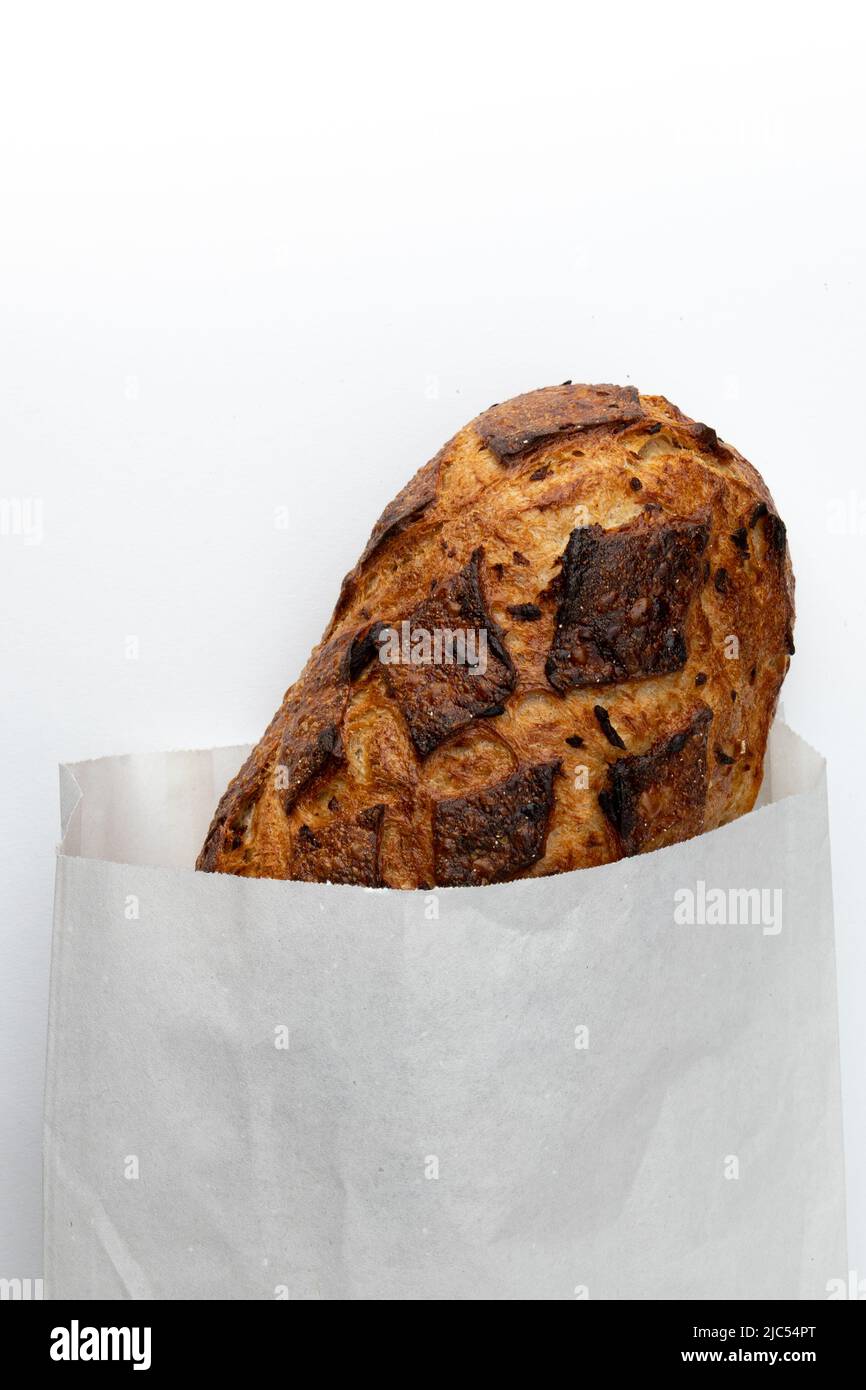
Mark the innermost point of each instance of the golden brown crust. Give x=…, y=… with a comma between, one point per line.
x=632, y=582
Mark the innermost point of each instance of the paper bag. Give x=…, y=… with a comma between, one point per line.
x=615, y=1083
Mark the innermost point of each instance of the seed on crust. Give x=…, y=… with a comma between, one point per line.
x=495, y=833
x=524, y=612
x=606, y=726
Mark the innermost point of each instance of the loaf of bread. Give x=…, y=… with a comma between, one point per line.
x=562, y=644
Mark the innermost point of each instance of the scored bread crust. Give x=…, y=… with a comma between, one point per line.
x=632, y=581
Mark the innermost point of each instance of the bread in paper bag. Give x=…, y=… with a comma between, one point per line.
x=563, y=643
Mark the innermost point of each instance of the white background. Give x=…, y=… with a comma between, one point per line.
x=255, y=257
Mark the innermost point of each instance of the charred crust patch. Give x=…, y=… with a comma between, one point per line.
x=313, y=716
x=624, y=599
x=604, y=723
x=495, y=833
x=658, y=797
x=704, y=437
x=315, y=708
x=364, y=646
x=436, y=699
x=721, y=580
x=723, y=758
x=519, y=426
x=304, y=752
x=740, y=538
x=346, y=850
x=574, y=741
x=776, y=533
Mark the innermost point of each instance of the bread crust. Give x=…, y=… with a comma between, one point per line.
x=631, y=578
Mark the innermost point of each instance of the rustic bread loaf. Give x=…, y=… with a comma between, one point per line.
x=620, y=583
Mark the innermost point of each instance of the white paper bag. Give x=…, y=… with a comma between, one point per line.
x=548, y=1089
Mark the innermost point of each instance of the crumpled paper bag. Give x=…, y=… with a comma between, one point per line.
x=571, y=1087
